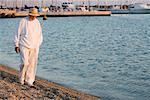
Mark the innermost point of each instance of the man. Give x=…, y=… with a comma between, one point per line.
x=27, y=42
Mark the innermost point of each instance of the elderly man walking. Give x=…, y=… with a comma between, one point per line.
x=27, y=42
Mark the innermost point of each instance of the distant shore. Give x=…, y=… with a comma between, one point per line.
x=11, y=89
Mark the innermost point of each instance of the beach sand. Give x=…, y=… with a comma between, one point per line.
x=11, y=89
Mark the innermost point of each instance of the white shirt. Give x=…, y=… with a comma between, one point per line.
x=29, y=33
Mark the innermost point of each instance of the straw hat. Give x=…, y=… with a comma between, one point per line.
x=33, y=12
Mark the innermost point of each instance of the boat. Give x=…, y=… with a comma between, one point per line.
x=115, y=9
x=119, y=9
x=139, y=8
x=136, y=8
x=68, y=6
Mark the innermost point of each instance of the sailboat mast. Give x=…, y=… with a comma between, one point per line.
x=5, y=3
x=42, y=4
x=52, y=2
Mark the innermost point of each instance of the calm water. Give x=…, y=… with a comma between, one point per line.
x=104, y=56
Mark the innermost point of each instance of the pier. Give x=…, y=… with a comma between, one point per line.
x=79, y=13
x=13, y=13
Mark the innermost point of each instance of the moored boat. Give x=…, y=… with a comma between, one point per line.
x=139, y=8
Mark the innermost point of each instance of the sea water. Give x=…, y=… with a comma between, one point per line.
x=104, y=56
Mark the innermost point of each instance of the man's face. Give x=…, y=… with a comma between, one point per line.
x=31, y=18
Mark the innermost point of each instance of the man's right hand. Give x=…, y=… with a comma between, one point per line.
x=17, y=49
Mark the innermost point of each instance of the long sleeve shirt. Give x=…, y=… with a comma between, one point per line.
x=29, y=33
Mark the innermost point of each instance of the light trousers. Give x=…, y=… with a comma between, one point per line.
x=28, y=64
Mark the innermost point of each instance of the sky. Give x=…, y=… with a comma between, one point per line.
x=58, y=2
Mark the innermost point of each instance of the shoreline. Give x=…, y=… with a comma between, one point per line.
x=10, y=88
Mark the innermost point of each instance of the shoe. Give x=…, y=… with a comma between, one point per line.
x=22, y=82
x=33, y=87
x=29, y=84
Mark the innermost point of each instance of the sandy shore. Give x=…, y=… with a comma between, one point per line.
x=11, y=89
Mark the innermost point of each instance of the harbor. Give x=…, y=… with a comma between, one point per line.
x=71, y=8
x=82, y=57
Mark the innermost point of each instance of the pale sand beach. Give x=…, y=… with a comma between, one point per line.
x=11, y=89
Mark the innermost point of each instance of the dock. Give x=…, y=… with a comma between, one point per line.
x=13, y=14
x=78, y=13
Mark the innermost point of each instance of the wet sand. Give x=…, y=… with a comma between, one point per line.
x=11, y=89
